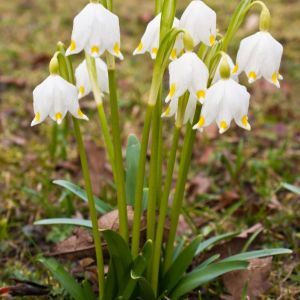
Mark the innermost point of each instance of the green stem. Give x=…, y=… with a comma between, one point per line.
x=89, y=191
x=91, y=204
x=163, y=208
x=91, y=65
x=153, y=182
x=140, y=182
x=180, y=185
x=120, y=180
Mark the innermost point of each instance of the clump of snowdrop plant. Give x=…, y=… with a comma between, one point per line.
x=203, y=89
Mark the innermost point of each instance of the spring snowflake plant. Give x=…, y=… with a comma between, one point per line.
x=203, y=89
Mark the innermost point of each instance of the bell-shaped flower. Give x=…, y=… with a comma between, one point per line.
x=225, y=100
x=232, y=67
x=55, y=97
x=95, y=29
x=259, y=56
x=188, y=73
x=150, y=39
x=83, y=82
x=189, y=110
x=200, y=21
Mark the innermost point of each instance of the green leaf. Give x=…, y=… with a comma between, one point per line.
x=101, y=206
x=132, y=161
x=207, y=262
x=145, y=290
x=214, y=240
x=139, y=266
x=257, y=254
x=292, y=188
x=118, y=248
x=180, y=265
x=64, y=278
x=65, y=221
x=111, y=289
x=145, y=198
x=88, y=290
x=199, y=277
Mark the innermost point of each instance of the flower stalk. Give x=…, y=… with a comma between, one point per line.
x=90, y=195
x=91, y=66
x=119, y=173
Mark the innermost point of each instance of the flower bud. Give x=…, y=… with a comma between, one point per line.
x=188, y=42
x=54, y=64
x=224, y=68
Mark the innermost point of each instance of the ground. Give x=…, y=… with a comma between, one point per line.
x=235, y=179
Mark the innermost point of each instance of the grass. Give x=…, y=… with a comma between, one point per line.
x=254, y=169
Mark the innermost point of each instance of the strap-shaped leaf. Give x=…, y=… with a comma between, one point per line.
x=258, y=254
x=132, y=161
x=197, y=278
x=72, y=287
x=207, y=262
x=292, y=188
x=139, y=266
x=101, y=206
x=204, y=245
x=180, y=265
x=65, y=221
x=145, y=291
x=111, y=286
x=88, y=290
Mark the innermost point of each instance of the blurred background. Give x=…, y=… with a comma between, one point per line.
x=236, y=180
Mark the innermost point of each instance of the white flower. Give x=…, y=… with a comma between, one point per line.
x=200, y=22
x=188, y=73
x=83, y=82
x=260, y=56
x=55, y=97
x=150, y=39
x=189, y=111
x=95, y=29
x=233, y=70
x=225, y=100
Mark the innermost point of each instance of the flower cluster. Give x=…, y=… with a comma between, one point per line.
x=259, y=56
x=55, y=96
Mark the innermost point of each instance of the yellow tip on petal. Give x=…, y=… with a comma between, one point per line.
x=72, y=46
x=252, y=76
x=275, y=77
x=172, y=90
x=117, y=48
x=154, y=51
x=212, y=40
x=223, y=126
x=201, y=122
x=201, y=94
x=235, y=69
x=140, y=47
x=37, y=117
x=81, y=115
x=58, y=117
x=245, y=122
x=81, y=90
x=95, y=50
x=167, y=112
x=173, y=54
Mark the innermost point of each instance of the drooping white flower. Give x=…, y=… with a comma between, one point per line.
x=150, y=39
x=200, y=21
x=188, y=73
x=95, y=29
x=55, y=97
x=259, y=56
x=233, y=70
x=225, y=100
x=189, y=110
x=83, y=82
